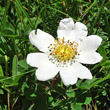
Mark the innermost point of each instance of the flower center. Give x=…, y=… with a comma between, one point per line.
x=63, y=51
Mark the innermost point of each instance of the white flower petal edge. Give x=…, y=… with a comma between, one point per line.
x=71, y=31
x=42, y=40
x=46, y=69
x=90, y=43
x=46, y=72
x=89, y=58
x=66, y=23
x=88, y=46
x=69, y=75
x=65, y=28
x=80, y=30
x=38, y=60
x=82, y=72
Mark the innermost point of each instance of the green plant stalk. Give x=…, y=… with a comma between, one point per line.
x=107, y=25
x=4, y=16
x=20, y=74
x=48, y=6
x=24, y=12
x=87, y=10
x=6, y=65
x=11, y=36
x=90, y=7
x=8, y=100
x=99, y=81
x=98, y=13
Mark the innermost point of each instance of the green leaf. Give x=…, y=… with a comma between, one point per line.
x=106, y=63
x=88, y=100
x=5, y=47
x=8, y=80
x=23, y=64
x=60, y=90
x=102, y=52
x=2, y=51
x=8, y=28
x=85, y=85
x=15, y=69
x=1, y=71
x=76, y=107
x=30, y=108
x=82, y=97
x=1, y=91
x=24, y=85
x=2, y=59
x=70, y=93
x=15, y=65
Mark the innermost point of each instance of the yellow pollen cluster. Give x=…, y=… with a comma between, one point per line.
x=63, y=50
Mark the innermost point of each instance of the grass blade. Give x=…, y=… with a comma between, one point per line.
x=18, y=3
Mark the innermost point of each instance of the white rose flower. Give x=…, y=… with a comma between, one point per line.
x=66, y=54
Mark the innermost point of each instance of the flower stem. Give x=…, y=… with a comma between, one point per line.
x=8, y=100
x=100, y=80
x=96, y=18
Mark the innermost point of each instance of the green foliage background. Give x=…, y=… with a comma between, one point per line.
x=19, y=87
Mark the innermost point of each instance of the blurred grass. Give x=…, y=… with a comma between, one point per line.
x=19, y=88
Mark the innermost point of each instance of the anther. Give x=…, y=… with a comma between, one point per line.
x=63, y=52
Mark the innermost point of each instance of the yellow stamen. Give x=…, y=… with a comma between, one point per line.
x=64, y=50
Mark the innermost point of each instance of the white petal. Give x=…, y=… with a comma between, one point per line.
x=90, y=43
x=70, y=74
x=38, y=60
x=65, y=29
x=66, y=23
x=80, y=30
x=89, y=57
x=46, y=72
x=42, y=40
x=71, y=31
x=82, y=72
x=46, y=69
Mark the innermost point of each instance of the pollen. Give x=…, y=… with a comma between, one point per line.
x=63, y=51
